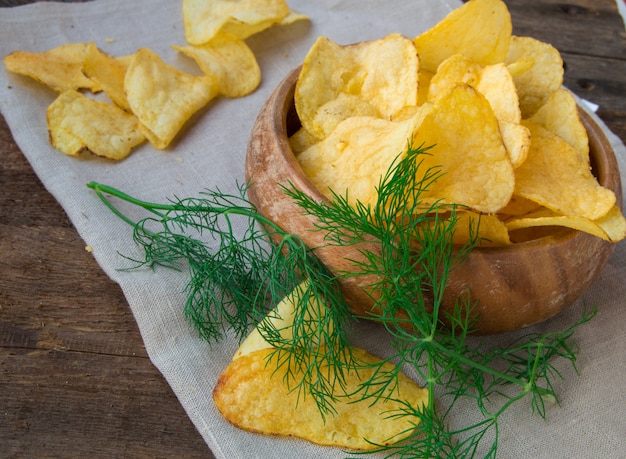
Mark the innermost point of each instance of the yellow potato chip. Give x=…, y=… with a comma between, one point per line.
x=383, y=73
x=333, y=112
x=59, y=68
x=424, y=79
x=243, y=29
x=495, y=82
x=613, y=224
x=610, y=227
x=354, y=157
x=489, y=229
x=280, y=320
x=555, y=176
x=203, y=20
x=516, y=138
x=520, y=66
x=497, y=85
x=535, y=85
x=108, y=72
x=468, y=146
x=518, y=206
x=252, y=395
x=479, y=29
x=560, y=115
x=77, y=123
x=301, y=140
x=292, y=17
x=230, y=61
x=163, y=97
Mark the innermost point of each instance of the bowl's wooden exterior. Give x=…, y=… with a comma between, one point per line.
x=515, y=287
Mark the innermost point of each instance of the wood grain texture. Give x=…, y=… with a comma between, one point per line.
x=75, y=379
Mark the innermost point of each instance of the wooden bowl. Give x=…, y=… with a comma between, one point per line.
x=516, y=286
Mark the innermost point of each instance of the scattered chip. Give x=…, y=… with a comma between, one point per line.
x=280, y=321
x=77, y=123
x=253, y=394
x=479, y=29
x=204, y=20
x=108, y=72
x=230, y=61
x=59, y=68
x=382, y=73
x=487, y=230
x=163, y=97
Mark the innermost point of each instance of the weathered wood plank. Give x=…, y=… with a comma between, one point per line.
x=590, y=27
x=75, y=380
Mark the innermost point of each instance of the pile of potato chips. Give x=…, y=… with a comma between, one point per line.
x=253, y=395
x=150, y=99
x=507, y=136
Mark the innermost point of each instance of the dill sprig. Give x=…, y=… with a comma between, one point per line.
x=415, y=258
x=237, y=276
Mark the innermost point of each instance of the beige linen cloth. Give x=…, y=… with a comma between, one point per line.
x=590, y=421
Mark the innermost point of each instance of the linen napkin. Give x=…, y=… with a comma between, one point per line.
x=211, y=154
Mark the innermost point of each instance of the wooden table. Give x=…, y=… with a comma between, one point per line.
x=75, y=379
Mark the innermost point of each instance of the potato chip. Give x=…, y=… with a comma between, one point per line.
x=489, y=230
x=77, y=123
x=383, y=73
x=301, y=140
x=253, y=391
x=469, y=148
x=560, y=115
x=354, y=157
x=479, y=30
x=230, y=61
x=163, y=97
x=59, y=68
x=252, y=395
x=610, y=227
x=613, y=224
x=108, y=72
x=535, y=85
x=518, y=206
x=204, y=20
x=424, y=79
x=243, y=29
x=333, y=112
x=495, y=82
x=280, y=320
x=497, y=85
x=555, y=176
x=516, y=138
x=292, y=17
